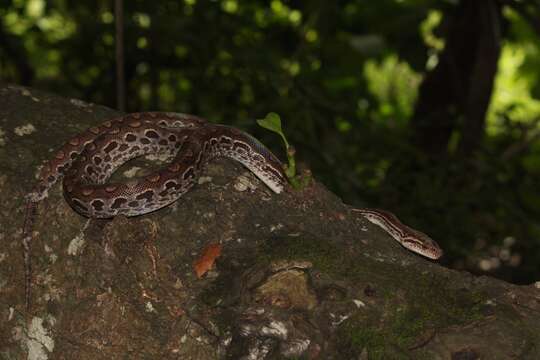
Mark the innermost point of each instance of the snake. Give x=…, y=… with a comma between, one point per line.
x=86, y=162
x=411, y=239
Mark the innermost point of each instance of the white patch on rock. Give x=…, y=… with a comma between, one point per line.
x=39, y=340
x=24, y=129
x=338, y=319
x=204, y=179
x=275, y=329
x=149, y=307
x=53, y=258
x=77, y=243
x=243, y=183
x=209, y=215
x=278, y=226
x=79, y=103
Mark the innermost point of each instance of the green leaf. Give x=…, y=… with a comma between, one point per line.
x=272, y=122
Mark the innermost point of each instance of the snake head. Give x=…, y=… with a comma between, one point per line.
x=422, y=244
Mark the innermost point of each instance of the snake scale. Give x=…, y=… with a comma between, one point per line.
x=86, y=162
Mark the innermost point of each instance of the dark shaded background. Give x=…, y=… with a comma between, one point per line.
x=426, y=108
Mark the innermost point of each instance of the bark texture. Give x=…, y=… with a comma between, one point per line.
x=299, y=276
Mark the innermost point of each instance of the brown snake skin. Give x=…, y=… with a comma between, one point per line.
x=88, y=160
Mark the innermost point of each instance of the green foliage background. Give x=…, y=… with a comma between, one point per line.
x=343, y=75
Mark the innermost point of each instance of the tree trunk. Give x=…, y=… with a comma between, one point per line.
x=299, y=275
x=454, y=96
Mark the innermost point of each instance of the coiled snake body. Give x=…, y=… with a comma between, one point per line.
x=88, y=160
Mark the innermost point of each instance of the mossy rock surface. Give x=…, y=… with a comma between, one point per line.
x=300, y=275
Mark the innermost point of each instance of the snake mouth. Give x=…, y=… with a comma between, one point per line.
x=430, y=253
x=428, y=249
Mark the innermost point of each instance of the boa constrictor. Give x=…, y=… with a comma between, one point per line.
x=87, y=161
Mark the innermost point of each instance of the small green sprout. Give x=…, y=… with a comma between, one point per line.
x=272, y=122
